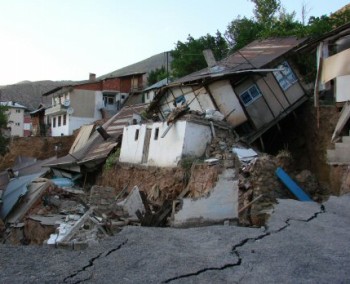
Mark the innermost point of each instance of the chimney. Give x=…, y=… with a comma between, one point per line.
x=92, y=77
x=209, y=57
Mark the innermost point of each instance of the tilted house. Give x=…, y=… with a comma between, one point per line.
x=253, y=88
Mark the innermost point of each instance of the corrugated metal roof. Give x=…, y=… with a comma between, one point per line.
x=15, y=190
x=255, y=55
x=157, y=85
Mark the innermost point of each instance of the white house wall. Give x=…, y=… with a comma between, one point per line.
x=183, y=139
x=167, y=151
x=204, y=99
x=196, y=139
x=228, y=102
x=342, y=87
x=16, y=121
x=62, y=130
x=131, y=150
x=221, y=204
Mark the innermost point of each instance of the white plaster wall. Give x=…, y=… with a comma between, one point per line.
x=131, y=150
x=196, y=139
x=183, y=138
x=220, y=205
x=16, y=117
x=149, y=95
x=227, y=101
x=98, y=104
x=62, y=130
x=342, y=87
x=167, y=151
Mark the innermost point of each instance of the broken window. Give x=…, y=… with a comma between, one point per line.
x=137, y=134
x=250, y=95
x=156, y=133
x=286, y=77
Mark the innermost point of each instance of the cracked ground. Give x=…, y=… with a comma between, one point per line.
x=302, y=243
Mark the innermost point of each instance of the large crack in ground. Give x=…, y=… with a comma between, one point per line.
x=234, y=250
x=91, y=263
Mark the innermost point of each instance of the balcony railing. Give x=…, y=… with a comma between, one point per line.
x=56, y=110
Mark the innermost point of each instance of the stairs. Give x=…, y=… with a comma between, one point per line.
x=341, y=153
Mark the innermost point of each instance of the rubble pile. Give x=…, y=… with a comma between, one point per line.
x=255, y=179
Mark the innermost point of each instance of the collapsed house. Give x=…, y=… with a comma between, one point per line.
x=254, y=88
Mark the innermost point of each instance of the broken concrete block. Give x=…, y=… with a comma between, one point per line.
x=221, y=203
x=134, y=203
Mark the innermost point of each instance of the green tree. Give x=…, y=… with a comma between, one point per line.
x=156, y=75
x=265, y=11
x=242, y=31
x=3, y=125
x=188, y=56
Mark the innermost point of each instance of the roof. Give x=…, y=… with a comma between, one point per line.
x=157, y=85
x=254, y=56
x=12, y=104
x=97, y=149
x=144, y=66
x=332, y=35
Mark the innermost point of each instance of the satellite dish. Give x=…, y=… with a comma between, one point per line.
x=70, y=110
x=66, y=103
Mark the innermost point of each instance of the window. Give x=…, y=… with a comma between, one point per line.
x=17, y=123
x=64, y=119
x=18, y=110
x=250, y=95
x=156, y=133
x=285, y=78
x=59, y=121
x=54, y=122
x=134, y=83
x=108, y=99
x=137, y=134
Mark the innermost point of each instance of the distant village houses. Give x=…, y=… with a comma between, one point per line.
x=18, y=122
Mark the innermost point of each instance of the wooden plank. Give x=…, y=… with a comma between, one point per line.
x=77, y=226
x=82, y=138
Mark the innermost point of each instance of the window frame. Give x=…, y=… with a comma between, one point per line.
x=248, y=92
x=285, y=78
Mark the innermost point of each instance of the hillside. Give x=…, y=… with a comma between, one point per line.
x=29, y=93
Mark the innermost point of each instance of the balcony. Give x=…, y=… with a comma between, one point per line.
x=56, y=110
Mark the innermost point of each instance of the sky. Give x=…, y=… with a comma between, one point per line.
x=68, y=39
